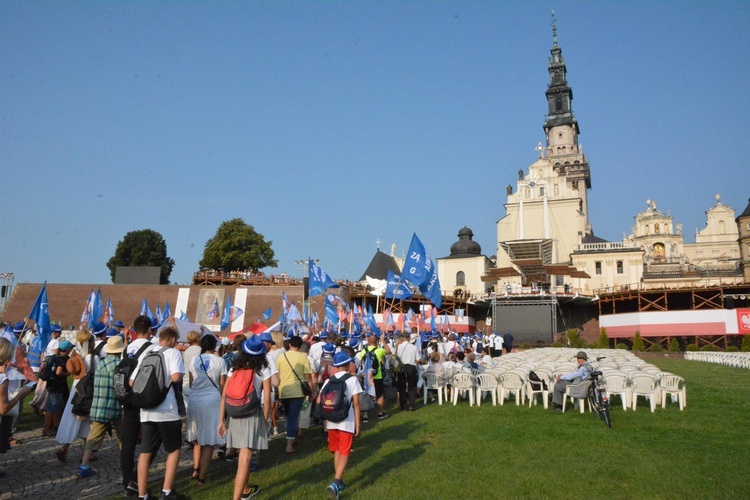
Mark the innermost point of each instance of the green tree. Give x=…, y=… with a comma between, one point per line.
x=574, y=339
x=144, y=247
x=603, y=339
x=638, y=345
x=674, y=346
x=236, y=246
x=745, y=343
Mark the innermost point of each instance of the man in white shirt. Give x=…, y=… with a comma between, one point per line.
x=162, y=422
x=497, y=346
x=407, y=379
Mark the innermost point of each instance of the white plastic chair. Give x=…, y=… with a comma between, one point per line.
x=511, y=382
x=533, y=388
x=578, y=392
x=486, y=383
x=433, y=382
x=462, y=382
x=617, y=384
x=644, y=384
x=674, y=385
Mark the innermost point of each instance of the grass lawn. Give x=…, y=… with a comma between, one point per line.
x=497, y=452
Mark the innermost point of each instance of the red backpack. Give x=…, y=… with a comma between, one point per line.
x=241, y=399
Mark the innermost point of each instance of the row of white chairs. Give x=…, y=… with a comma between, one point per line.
x=735, y=359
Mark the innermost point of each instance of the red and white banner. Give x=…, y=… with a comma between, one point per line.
x=743, y=321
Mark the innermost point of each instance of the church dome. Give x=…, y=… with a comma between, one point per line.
x=465, y=246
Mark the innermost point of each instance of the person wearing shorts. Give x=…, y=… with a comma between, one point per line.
x=163, y=421
x=341, y=434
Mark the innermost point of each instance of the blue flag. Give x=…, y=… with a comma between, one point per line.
x=166, y=313
x=225, y=317
x=97, y=309
x=267, y=314
x=396, y=287
x=145, y=311
x=431, y=288
x=40, y=314
x=183, y=316
x=110, y=312
x=319, y=280
x=415, y=265
x=332, y=315
x=159, y=316
x=214, y=312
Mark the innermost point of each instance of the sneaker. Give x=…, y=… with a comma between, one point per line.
x=382, y=416
x=87, y=472
x=340, y=484
x=365, y=417
x=173, y=495
x=250, y=491
x=333, y=491
x=275, y=431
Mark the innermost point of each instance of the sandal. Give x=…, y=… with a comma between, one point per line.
x=201, y=482
x=196, y=474
x=62, y=456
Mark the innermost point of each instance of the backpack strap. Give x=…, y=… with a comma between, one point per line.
x=98, y=348
x=141, y=350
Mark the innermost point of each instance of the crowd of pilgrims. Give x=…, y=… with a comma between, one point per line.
x=194, y=411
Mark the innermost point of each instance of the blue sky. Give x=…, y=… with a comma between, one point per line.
x=331, y=125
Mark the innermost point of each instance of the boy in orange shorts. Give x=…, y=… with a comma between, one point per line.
x=340, y=433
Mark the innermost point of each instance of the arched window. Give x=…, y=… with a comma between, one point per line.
x=558, y=104
x=722, y=227
x=460, y=279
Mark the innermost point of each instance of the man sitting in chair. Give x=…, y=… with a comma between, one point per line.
x=574, y=377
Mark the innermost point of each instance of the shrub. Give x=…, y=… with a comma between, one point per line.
x=574, y=340
x=638, y=342
x=655, y=348
x=603, y=339
x=556, y=344
x=622, y=346
x=526, y=346
x=745, y=343
x=733, y=348
x=674, y=346
x=710, y=348
x=691, y=347
x=591, y=345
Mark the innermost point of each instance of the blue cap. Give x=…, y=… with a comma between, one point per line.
x=64, y=345
x=266, y=337
x=112, y=332
x=19, y=327
x=99, y=329
x=341, y=358
x=254, y=346
x=329, y=348
x=56, y=328
x=119, y=324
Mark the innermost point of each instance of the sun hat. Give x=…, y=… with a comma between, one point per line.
x=323, y=334
x=119, y=323
x=266, y=337
x=582, y=355
x=329, y=348
x=18, y=327
x=99, y=328
x=112, y=332
x=254, y=346
x=341, y=358
x=114, y=345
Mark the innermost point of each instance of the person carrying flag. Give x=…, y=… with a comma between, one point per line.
x=9, y=405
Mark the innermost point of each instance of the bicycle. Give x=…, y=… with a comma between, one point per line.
x=597, y=396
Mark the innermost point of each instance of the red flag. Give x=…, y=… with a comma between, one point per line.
x=22, y=364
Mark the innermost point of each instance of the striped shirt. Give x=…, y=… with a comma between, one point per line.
x=105, y=407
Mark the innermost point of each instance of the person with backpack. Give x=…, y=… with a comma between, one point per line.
x=294, y=368
x=207, y=375
x=157, y=374
x=373, y=356
x=53, y=369
x=106, y=410
x=131, y=416
x=339, y=407
x=241, y=409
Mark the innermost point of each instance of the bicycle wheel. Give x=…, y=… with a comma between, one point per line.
x=593, y=398
x=604, y=406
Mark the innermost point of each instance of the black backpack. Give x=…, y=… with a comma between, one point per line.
x=123, y=370
x=334, y=405
x=84, y=391
x=149, y=389
x=45, y=370
x=536, y=381
x=373, y=359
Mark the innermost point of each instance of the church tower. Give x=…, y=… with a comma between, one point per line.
x=547, y=209
x=561, y=128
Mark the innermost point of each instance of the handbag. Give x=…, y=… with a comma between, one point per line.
x=365, y=401
x=306, y=389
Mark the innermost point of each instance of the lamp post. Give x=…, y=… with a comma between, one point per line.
x=6, y=286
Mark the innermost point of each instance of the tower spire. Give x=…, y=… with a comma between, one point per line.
x=554, y=29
